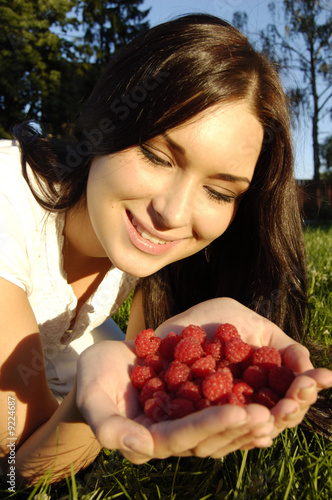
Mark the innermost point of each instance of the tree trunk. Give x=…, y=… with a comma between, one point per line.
x=315, y=116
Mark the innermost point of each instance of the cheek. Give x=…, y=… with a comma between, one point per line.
x=210, y=226
x=116, y=182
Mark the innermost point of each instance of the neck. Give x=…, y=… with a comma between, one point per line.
x=82, y=253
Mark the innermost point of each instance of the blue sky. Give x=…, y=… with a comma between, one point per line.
x=258, y=18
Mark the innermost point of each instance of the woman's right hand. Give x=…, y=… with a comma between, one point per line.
x=109, y=404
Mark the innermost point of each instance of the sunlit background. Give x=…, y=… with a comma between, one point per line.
x=259, y=17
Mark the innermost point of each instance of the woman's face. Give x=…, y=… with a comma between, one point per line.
x=152, y=205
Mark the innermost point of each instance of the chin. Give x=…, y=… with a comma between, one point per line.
x=134, y=268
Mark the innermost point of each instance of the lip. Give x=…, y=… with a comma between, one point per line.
x=142, y=243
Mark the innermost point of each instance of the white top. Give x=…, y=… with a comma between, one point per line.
x=31, y=242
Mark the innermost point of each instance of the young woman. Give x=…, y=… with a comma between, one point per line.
x=177, y=181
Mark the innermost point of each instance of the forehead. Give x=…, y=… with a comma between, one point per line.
x=227, y=136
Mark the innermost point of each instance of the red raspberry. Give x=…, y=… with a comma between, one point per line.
x=195, y=332
x=217, y=384
x=266, y=397
x=247, y=362
x=199, y=380
x=180, y=408
x=201, y=404
x=188, y=351
x=156, y=408
x=154, y=361
x=235, y=368
x=256, y=377
x=176, y=374
x=146, y=343
x=140, y=375
x=189, y=390
x=233, y=380
x=266, y=356
x=214, y=348
x=167, y=346
x=229, y=399
x=226, y=332
x=150, y=388
x=280, y=378
x=243, y=392
x=203, y=366
x=236, y=350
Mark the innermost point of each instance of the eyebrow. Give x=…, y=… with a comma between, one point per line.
x=223, y=176
x=174, y=145
x=231, y=178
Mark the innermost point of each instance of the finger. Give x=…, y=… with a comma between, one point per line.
x=291, y=410
x=301, y=394
x=303, y=390
x=289, y=420
x=114, y=431
x=176, y=436
x=322, y=377
x=221, y=444
x=261, y=424
x=297, y=357
x=247, y=442
x=234, y=445
x=131, y=439
x=231, y=441
x=260, y=443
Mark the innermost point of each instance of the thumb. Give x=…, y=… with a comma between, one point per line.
x=113, y=430
x=133, y=440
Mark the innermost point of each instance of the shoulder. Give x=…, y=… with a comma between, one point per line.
x=14, y=189
x=10, y=156
x=11, y=178
x=21, y=219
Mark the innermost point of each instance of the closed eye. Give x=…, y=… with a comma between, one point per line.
x=152, y=158
x=219, y=197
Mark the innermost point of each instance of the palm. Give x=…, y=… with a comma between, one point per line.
x=109, y=402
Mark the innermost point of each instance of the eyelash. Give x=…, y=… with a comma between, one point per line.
x=148, y=155
x=155, y=160
x=219, y=197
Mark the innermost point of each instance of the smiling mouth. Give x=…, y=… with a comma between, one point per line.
x=146, y=235
x=143, y=240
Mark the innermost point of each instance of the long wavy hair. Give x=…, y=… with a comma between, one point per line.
x=161, y=79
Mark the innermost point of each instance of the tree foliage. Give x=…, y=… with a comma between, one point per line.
x=109, y=25
x=30, y=54
x=306, y=46
x=326, y=153
x=52, y=51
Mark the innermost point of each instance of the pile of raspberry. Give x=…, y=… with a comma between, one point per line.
x=185, y=373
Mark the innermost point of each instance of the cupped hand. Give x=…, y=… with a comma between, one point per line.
x=258, y=331
x=109, y=402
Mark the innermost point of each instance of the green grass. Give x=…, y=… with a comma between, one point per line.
x=297, y=466
x=319, y=249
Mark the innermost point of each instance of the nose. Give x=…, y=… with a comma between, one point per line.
x=173, y=204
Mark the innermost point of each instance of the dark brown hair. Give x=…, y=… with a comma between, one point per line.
x=158, y=81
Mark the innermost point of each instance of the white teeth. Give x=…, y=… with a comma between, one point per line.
x=148, y=236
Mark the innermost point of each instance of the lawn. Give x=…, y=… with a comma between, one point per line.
x=297, y=466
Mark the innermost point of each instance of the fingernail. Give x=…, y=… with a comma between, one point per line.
x=291, y=415
x=132, y=443
x=263, y=424
x=306, y=392
x=242, y=422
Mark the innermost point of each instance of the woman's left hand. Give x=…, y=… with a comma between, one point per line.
x=258, y=331
x=109, y=402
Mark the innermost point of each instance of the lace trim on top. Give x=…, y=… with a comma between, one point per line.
x=52, y=289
